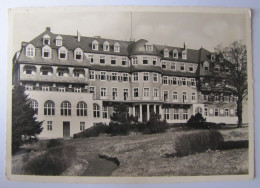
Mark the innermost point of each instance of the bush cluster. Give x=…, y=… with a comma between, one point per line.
x=54, y=143
x=93, y=131
x=53, y=162
x=188, y=144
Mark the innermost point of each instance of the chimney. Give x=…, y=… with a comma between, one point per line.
x=184, y=46
x=24, y=44
x=78, y=36
x=48, y=29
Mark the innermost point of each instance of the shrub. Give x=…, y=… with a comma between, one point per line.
x=188, y=144
x=54, y=143
x=53, y=162
x=93, y=131
x=154, y=125
x=115, y=128
x=197, y=122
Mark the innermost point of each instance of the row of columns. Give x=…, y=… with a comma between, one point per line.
x=148, y=110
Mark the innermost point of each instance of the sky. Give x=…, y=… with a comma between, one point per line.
x=197, y=30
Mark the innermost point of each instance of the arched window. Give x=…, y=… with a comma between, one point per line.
x=59, y=41
x=62, y=53
x=30, y=50
x=106, y=46
x=46, y=39
x=166, y=52
x=34, y=105
x=81, y=109
x=116, y=47
x=78, y=54
x=175, y=53
x=198, y=110
x=65, y=108
x=46, y=52
x=49, y=108
x=206, y=66
x=95, y=45
x=96, y=111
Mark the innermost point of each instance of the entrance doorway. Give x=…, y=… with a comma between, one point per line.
x=66, y=129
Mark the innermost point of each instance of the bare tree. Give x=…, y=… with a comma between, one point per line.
x=236, y=54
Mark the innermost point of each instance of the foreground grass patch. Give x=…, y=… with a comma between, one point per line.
x=53, y=162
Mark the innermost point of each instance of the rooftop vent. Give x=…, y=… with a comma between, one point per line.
x=48, y=29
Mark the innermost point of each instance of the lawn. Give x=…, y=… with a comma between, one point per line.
x=146, y=155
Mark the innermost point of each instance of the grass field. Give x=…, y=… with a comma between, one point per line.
x=145, y=155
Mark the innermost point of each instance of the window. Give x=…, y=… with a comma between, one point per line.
x=154, y=61
x=82, y=109
x=105, y=112
x=65, y=108
x=146, y=92
x=28, y=87
x=135, y=76
x=146, y=76
x=176, y=113
x=184, y=96
x=106, y=46
x=166, y=113
x=192, y=82
x=213, y=57
x=165, y=96
x=124, y=61
x=217, y=68
x=91, y=58
x=58, y=41
x=49, y=125
x=114, y=76
x=149, y=47
x=184, y=83
x=184, y=54
x=155, y=92
x=30, y=50
x=235, y=112
x=113, y=60
x=193, y=96
x=95, y=45
x=82, y=126
x=125, y=93
x=182, y=67
x=164, y=65
x=92, y=90
x=205, y=111
x=76, y=74
x=125, y=77
x=174, y=81
x=116, y=47
x=62, y=53
x=96, y=111
x=77, y=89
x=46, y=39
x=166, y=52
x=102, y=59
x=135, y=92
x=175, y=54
x=60, y=72
x=46, y=52
x=49, y=108
x=216, y=112
x=114, y=93
x=173, y=66
x=226, y=112
x=45, y=88
x=28, y=70
x=134, y=60
x=92, y=75
x=34, y=106
x=78, y=54
x=198, y=110
x=103, y=92
x=191, y=68
x=206, y=66
x=155, y=77
x=165, y=80
x=175, y=96
x=61, y=89
x=185, y=113
x=145, y=60
x=103, y=76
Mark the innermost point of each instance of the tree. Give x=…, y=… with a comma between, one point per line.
x=121, y=114
x=25, y=127
x=236, y=54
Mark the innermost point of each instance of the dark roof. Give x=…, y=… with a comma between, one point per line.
x=138, y=48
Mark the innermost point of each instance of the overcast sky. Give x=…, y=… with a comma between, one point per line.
x=195, y=29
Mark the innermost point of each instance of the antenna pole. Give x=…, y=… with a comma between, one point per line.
x=131, y=27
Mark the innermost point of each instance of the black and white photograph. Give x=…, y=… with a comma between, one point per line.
x=159, y=93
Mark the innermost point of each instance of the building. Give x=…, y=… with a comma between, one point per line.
x=74, y=81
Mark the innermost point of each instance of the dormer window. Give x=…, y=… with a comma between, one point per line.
x=78, y=54
x=149, y=47
x=206, y=66
x=184, y=54
x=46, y=52
x=95, y=45
x=213, y=57
x=166, y=52
x=30, y=50
x=175, y=54
x=62, y=53
x=46, y=39
x=106, y=46
x=164, y=65
x=116, y=47
x=58, y=41
x=217, y=68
